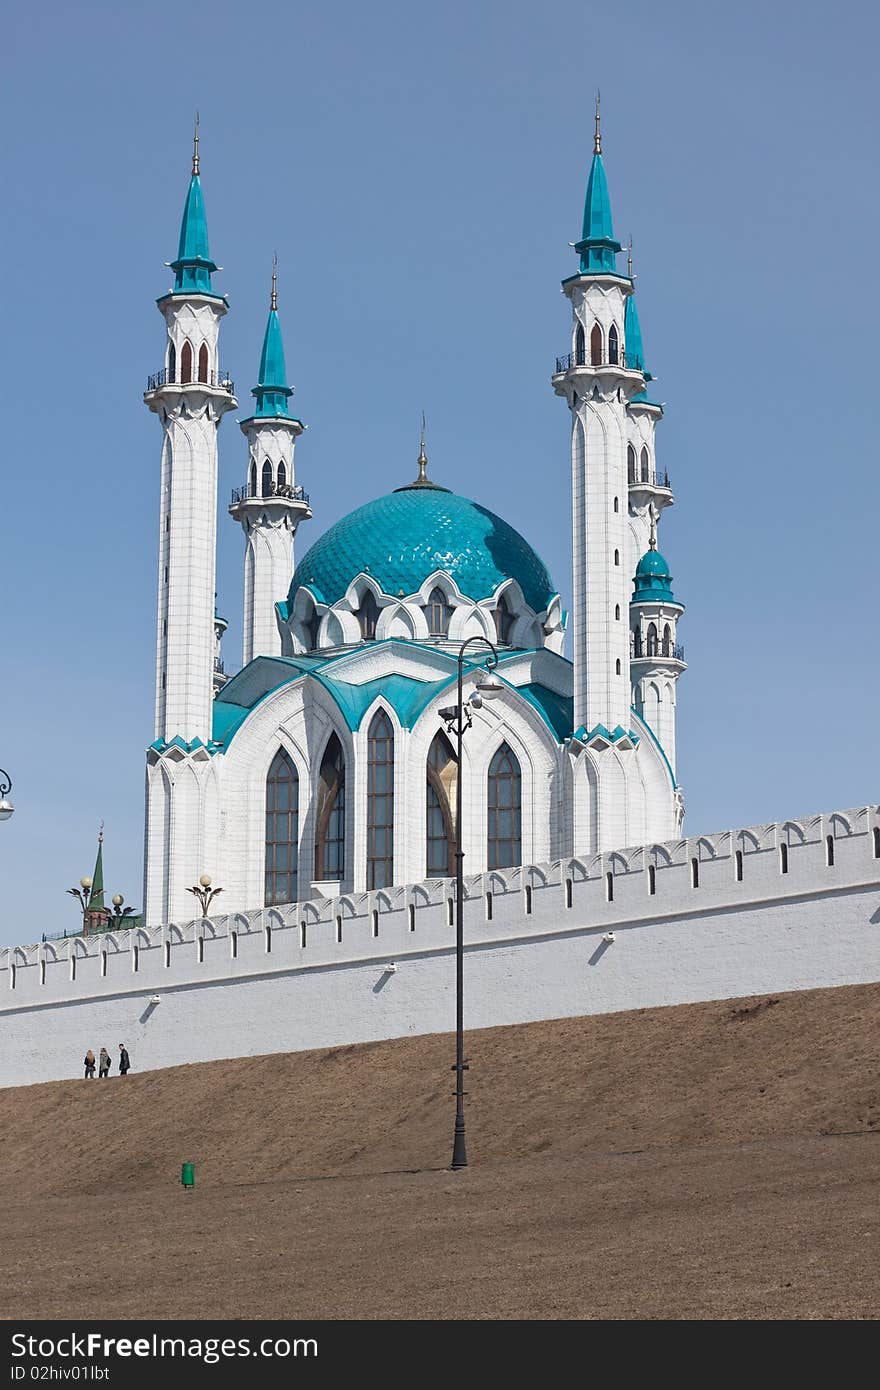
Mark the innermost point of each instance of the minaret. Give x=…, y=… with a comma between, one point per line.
x=190, y=395
x=598, y=382
x=649, y=487
x=270, y=506
x=657, y=660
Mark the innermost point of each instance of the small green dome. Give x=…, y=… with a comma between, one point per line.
x=400, y=539
x=653, y=581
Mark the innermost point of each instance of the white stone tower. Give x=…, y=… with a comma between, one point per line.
x=190, y=396
x=270, y=506
x=649, y=487
x=657, y=660
x=598, y=382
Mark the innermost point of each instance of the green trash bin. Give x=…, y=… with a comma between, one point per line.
x=188, y=1175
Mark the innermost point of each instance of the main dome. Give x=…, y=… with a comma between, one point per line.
x=402, y=538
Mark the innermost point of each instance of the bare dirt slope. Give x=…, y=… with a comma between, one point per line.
x=322, y=1188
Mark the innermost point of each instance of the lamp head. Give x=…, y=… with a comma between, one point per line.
x=488, y=686
x=85, y=883
x=6, y=809
x=205, y=880
x=117, y=900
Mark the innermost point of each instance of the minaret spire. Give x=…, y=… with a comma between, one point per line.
x=273, y=302
x=195, y=168
x=597, y=139
x=423, y=457
x=629, y=257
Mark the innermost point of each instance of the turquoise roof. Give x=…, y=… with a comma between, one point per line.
x=653, y=582
x=272, y=392
x=402, y=538
x=632, y=336
x=597, y=246
x=193, y=266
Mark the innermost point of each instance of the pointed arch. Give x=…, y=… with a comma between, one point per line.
x=504, y=619
x=253, y=487
x=580, y=347
x=438, y=613
x=504, y=803
x=613, y=344
x=380, y=801
x=368, y=616
x=203, y=362
x=646, y=465
x=441, y=792
x=266, y=479
x=282, y=831
x=186, y=362
x=652, y=641
x=667, y=640
x=330, y=813
x=172, y=362
x=596, y=346
x=282, y=474
x=631, y=464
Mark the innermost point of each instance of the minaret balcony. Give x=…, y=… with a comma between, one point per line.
x=220, y=381
x=585, y=359
x=655, y=481
x=656, y=651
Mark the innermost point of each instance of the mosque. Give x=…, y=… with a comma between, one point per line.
x=326, y=764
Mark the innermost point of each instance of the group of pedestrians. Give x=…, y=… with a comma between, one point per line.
x=104, y=1062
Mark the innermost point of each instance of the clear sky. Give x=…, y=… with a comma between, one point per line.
x=420, y=169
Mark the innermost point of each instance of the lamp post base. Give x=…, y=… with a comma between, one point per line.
x=459, y=1150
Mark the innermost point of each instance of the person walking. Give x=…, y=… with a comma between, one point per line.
x=124, y=1060
x=90, y=1064
x=103, y=1063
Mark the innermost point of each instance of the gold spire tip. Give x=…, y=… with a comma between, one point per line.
x=273, y=304
x=597, y=142
x=423, y=457
x=196, y=147
x=652, y=539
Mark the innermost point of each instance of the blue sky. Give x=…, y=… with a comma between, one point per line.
x=420, y=170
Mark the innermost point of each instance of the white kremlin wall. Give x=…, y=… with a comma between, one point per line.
x=791, y=905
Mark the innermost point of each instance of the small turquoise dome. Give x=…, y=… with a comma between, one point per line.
x=653, y=582
x=400, y=539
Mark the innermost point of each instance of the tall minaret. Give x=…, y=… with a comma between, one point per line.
x=598, y=383
x=190, y=395
x=649, y=487
x=270, y=506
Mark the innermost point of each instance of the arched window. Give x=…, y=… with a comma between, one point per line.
x=253, y=488
x=282, y=475
x=330, y=814
x=310, y=628
x=652, y=639
x=631, y=464
x=617, y=667
x=203, y=362
x=172, y=362
x=186, y=363
x=267, y=479
x=667, y=640
x=637, y=642
x=440, y=820
x=580, y=347
x=617, y=557
x=617, y=612
x=380, y=801
x=282, y=830
x=504, y=804
x=616, y=505
x=504, y=619
x=646, y=467
x=612, y=344
x=596, y=346
x=438, y=613
x=368, y=616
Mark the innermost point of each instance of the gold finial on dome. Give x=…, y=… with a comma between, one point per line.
x=652, y=538
x=196, y=147
x=597, y=142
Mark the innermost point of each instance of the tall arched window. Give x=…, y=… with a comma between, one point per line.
x=253, y=478
x=504, y=619
x=580, y=347
x=438, y=613
x=172, y=362
x=612, y=344
x=368, y=616
x=440, y=823
x=652, y=639
x=330, y=814
x=282, y=830
x=667, y=640
x=310, y=627
x=267, y=479
x=203, y=362
x=631, y=464
x=504, y=804
x=380, y=801
x=186, y=363
x=596, y=346
x=646, y=467
x=282, y=474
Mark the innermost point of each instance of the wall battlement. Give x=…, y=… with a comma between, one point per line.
x=755, y=906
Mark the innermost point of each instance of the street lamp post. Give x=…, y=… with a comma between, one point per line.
x=205, y=893
x=119, y=913
x=458, y=720
x=6, y=807
x=82, y=894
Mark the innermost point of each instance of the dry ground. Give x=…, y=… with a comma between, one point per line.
x=711, y=1160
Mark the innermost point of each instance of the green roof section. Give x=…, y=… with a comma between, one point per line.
x=653, y=582
x=632, y=337
x=597, y=247
x=96, y=897
x=402, y=538
x=272, y=391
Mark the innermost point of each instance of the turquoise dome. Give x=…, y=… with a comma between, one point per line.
x=400, y=539
x=653, y=581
